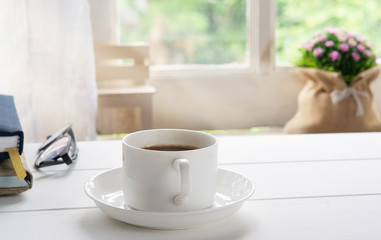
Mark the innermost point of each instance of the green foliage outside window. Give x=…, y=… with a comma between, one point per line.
x=215, y=31
x=187, y=32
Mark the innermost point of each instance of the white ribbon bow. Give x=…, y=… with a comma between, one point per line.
x=339, y=95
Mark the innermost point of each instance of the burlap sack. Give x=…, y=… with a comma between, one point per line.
x=326, y=104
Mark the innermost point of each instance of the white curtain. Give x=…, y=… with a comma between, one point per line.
x=47, y=64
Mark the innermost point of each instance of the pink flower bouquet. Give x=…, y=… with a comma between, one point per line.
x=338, y=50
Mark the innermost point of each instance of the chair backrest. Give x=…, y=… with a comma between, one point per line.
x=111, y=74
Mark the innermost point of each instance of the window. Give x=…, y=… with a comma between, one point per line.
x=259, y=33
x=212, y=36
x=187, y=32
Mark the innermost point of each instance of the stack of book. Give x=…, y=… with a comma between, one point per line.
x=14, y=174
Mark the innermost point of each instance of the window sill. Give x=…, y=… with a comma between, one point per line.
x=214, y=71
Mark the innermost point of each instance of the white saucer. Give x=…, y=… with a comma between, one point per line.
x=106, y=191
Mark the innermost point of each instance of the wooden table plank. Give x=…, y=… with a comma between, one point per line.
x=52, y=190
x=299, y=147
x=246, y=149
x=312, y=179
x=65, y=189
x=340, y=218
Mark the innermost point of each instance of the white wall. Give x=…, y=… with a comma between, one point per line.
x=226, y=103
x=231, y=102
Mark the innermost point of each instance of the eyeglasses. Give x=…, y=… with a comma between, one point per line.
x=58, y=149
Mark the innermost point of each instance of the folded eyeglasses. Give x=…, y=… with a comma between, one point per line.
x=58, y=149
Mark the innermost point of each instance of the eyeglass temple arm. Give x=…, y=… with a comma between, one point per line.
x=75, y=148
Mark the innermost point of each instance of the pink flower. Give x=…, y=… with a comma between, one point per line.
x=323, y=38
x=318, y=51
x=355, y=56
x=335, y=55
x=360, y=38
x=341, y=37
x=344, y=47
x=308, y=46
x=360, y=47
x=331, y=30
x=369, y=45
x=350, y=35
x=329, y=43
x=352, y=42
x=368, y=53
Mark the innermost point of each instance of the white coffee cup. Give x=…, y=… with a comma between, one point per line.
x=163, y=181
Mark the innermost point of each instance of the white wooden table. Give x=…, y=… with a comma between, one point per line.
x=318, y=186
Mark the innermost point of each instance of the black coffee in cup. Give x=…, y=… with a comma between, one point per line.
x=170, y=147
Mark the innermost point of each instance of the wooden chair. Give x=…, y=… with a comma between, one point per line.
x=123, y=85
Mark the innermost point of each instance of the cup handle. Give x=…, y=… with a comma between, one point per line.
x=182, y=165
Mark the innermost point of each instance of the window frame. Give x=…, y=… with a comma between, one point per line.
x=261, y=24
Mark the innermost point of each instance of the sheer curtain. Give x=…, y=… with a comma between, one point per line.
x=47, y=64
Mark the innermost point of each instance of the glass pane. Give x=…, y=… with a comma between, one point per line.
x=298, y=20
x=186, y=32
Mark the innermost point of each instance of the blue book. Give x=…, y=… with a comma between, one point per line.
x=11, y=133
